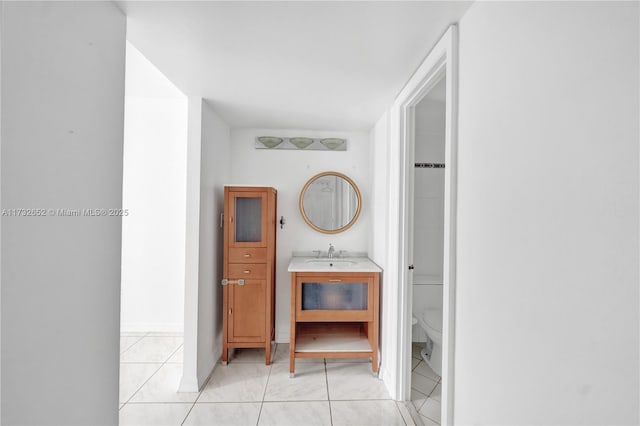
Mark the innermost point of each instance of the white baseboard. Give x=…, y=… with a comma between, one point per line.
x=141, y=327
x=192, y=383
x=213, y=369
x=387, y=379
x=188, y=384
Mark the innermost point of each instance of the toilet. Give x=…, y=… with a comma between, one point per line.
x=431, y=322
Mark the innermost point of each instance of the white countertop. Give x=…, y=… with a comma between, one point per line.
x=323, y=264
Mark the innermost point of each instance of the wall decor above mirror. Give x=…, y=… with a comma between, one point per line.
x=301, y=143
x=330, y=202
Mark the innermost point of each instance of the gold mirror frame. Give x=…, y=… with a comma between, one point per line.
x=351, y=222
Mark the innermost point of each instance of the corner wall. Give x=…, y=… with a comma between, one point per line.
x=208, y=168
x=62, y=138
x=548, y=298
x=214, y=173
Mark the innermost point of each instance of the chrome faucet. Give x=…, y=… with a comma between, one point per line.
x=331, y=250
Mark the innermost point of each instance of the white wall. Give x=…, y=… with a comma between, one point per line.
x=62, y=129
x=189, y=381
x=379, y=187
x=547, y=314
x=430, y=126
x=214, y=173
x=154, y=193
x=288, y=171
x=378, y=244
x=1, y=205
x=428, y=255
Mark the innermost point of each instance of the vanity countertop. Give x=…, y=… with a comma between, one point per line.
x=324, y=264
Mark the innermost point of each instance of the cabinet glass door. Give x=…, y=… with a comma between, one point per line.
x=329, y=297
x=336, y=298
x=248, y=219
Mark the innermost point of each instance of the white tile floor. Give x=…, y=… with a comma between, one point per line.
x=246, y=392
x=425, y=388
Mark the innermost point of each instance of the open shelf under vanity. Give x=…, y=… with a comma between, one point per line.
x=332, y=340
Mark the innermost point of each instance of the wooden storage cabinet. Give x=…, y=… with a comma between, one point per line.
x=249, y=269
x=334, y=315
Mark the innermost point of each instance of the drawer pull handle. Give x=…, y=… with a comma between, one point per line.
x=247, y=271
x=247, y=255
x=227, y=282
x=335, y=281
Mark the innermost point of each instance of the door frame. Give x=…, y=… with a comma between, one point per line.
x=442, y=60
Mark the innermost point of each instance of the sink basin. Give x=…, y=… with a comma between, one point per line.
x=331, y=263
x=325, y=264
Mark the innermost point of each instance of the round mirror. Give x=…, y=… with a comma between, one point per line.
x=330, y=202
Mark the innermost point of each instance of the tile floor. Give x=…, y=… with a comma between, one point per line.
x=246, y=392
x=425, y=388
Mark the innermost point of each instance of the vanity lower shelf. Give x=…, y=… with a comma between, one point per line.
x=332, y=340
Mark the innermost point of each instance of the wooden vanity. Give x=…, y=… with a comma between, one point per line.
x=335, y=305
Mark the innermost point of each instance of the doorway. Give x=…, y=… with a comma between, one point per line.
x=440, y=65
x=153, y=235
x=426, y=251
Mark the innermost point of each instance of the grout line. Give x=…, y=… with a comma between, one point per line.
x=326, y=379
x=160, y=403
x=206, y=382
x=434, y=388
x=438, y=382
x=425, y=402
x=414, y=402
x=361, y=400
x=216, y=402
x=150, y=362
x=427, y=417
x=284, y=401
x=400, y=412
x=424, y=377
x=142, y=385
x=264, y=394
x=173, y=353
x=190, y=409
x=417, y=365
x=154, y=373
x=133, y=344
x=415, y=415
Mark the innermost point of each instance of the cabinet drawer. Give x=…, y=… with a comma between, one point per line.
x=247, y=255
x=248, y=270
